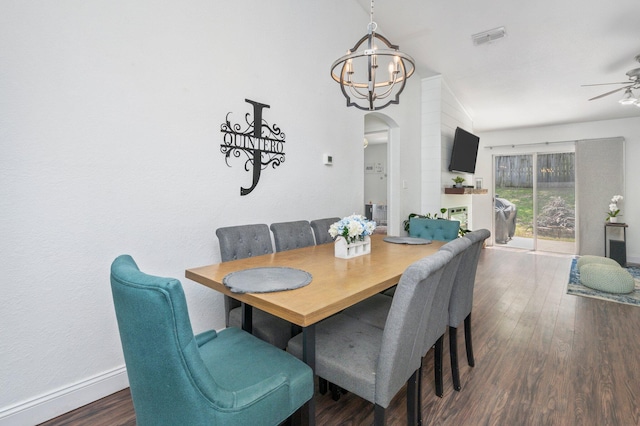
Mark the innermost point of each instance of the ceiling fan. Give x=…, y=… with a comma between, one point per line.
x=633, y=83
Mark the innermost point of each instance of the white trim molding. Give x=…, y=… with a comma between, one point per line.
x=51, y=405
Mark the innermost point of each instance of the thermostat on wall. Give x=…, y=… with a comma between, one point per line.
x=327, y=159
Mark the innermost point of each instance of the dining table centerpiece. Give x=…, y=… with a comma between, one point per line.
x=352, y=236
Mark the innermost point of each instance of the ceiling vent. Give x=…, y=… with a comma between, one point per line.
x=488, y=36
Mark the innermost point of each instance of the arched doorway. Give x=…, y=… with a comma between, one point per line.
x=379, y=131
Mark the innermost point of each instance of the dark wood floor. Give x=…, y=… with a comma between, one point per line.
x=542, y=358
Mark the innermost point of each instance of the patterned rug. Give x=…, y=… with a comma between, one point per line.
x=574, y=287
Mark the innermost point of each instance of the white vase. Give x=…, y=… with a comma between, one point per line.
x=613, y=219
x=345, y=250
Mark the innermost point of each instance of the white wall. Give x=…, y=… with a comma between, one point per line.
x=431, y=147
x=110, y=121
x=628, y=128
x=442, y=113
x=403, y=165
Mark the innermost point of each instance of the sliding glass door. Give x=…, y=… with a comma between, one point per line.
x=555, y=201
x=534, y=203
x=513, y=201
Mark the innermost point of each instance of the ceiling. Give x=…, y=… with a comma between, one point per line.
x=533, y=76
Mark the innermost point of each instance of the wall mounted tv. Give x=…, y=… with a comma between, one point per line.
x=465, y=152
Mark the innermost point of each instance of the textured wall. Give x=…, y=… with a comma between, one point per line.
x=441, y=114
x=110, y=120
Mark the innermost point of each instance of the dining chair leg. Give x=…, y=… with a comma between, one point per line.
x=453, y=354
x=437, y=366
x=419, y=394
x=413, y=398
x=467, y=340
x=308, y=413
x=335, y=391
x=309, y=358
x=322, y=386
x=295, y=419
x=379, y=415
x=247, y=318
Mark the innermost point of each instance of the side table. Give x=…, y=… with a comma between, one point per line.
x=617, y=248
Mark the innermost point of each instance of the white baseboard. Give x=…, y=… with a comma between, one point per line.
x=46, y=407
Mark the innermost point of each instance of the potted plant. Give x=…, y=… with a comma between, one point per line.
x=458, y=181
x=614, y=210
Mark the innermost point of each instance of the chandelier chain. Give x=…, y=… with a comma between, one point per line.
x=371, y=19
x=372, y=25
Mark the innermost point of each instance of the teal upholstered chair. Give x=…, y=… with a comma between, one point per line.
x=434, y=229
x=215, y=378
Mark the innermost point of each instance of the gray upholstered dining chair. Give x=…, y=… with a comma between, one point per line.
x=228, y=377
x=292, y=235
x=439, y=316
x=320, y=229
x=375, y=309
x=239, y=242
x=375, y=363
x=461, y=302
x=431, y=229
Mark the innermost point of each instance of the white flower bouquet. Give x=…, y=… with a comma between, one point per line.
x=614, y=210
x=352, y=228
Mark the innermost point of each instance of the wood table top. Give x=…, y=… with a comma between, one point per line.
x=337, y=283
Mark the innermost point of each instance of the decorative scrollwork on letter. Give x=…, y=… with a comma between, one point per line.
x=261, y=143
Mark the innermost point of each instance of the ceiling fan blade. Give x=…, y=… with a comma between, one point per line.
x=611, y=92
x=602, y=84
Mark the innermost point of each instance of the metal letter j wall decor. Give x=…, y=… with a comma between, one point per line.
x=261, y=143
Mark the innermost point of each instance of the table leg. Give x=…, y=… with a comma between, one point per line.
x=247, y=318
x=309, y=357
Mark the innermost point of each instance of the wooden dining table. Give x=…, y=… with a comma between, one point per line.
x=336, y=283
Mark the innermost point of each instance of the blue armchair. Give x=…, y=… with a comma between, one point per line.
x=215, y=378
x=434, y=229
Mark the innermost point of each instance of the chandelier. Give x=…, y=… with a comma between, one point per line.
x=373, y=73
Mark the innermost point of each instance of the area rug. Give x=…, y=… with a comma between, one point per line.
x=574, y=287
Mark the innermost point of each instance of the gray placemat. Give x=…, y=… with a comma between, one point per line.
x=266, y=280
x=406, y=240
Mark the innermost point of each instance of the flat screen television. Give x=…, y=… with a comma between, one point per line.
x=465, y=152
